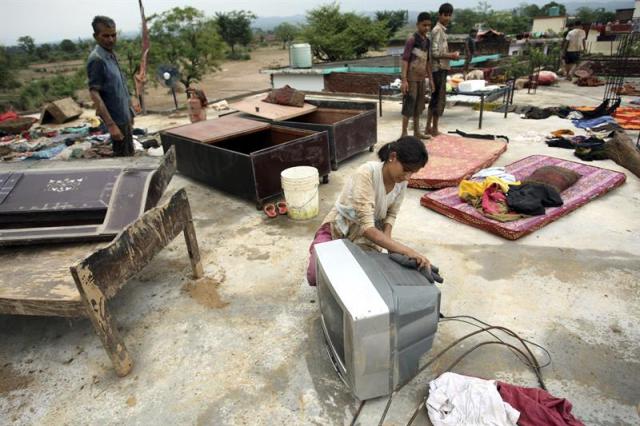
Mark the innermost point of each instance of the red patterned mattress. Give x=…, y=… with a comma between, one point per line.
x=594, y=182
x=454, y=158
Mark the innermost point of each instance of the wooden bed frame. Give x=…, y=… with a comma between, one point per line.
x=33, y=280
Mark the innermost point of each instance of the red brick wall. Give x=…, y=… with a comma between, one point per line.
x=366, y=83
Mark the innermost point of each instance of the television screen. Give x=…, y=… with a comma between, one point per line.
x=333, y=317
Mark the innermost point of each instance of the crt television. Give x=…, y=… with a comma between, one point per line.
x=378, y=317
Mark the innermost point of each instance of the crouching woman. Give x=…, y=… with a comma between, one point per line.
x=366, y=209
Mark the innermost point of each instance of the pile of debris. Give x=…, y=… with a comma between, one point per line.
x=20, y=140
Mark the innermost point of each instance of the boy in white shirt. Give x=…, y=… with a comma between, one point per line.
x=574, y=44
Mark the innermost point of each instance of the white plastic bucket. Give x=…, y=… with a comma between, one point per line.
x=300, y=185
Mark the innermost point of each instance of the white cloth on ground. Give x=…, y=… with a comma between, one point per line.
x=461, y=400
x=495, y=171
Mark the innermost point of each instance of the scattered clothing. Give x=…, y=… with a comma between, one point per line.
x=538, y=407
x=488, y=197
x=561, y=132
x=601, y=110
x=588, y=123
x=470, y=188
x=532, y=198
x=456, y=400
x=499, y=172
x=628, y=118
x=536, y=113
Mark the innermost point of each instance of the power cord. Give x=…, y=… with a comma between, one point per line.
x=529, y=359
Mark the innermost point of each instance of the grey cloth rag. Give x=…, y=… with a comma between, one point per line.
x=431, y=274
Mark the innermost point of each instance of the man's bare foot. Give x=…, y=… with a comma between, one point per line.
x=403, y=134
x=435, y=132
x=422, y=135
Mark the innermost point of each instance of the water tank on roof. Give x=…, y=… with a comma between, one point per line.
x=554, y=11
x=300, y=55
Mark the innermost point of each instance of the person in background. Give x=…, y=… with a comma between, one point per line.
x=108, y=87
x=366, y=209
x=575, y=43
x=197, y=104
x=469, y=49
x=440, y=56
x=416, y=67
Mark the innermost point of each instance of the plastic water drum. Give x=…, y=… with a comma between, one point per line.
x=300, y=185
x=300, y=55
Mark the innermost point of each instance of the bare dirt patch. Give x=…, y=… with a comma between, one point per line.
x=11, y=380
x=205, y=292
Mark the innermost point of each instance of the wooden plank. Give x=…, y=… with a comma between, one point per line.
x=134, y=247
x=36, y=281
x=255, y=106
x=211, y=131
x=104, y=272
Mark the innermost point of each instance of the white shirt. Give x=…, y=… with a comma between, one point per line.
x=575, y=37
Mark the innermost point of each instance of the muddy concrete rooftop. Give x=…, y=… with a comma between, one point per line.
x=244, y=345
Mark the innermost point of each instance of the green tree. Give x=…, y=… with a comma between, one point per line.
x=44, y=51
x=484, y=9
x=545, y=9
x=7, y=74
x=27, y=44
x=464, y=20
x=286, y=33
x=185, y=38
x=530, y=10
x=334, y=35
x=600, y=15
x=235, y=27
x=67, y=46
x=393, y=19
x=129, y=52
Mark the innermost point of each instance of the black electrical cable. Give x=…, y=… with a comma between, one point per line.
x=533, y=361
x=355, y=416
x=460, y=358
x=458, y=319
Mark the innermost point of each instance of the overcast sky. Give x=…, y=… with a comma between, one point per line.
x=54, y=20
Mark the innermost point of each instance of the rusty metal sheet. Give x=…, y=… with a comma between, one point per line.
x=211, y=131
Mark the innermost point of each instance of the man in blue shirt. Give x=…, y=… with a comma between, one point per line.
x=108, y=87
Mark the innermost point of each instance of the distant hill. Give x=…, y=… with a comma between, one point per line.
x=270, y=22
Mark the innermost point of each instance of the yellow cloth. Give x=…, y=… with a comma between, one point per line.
x=472, y=189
